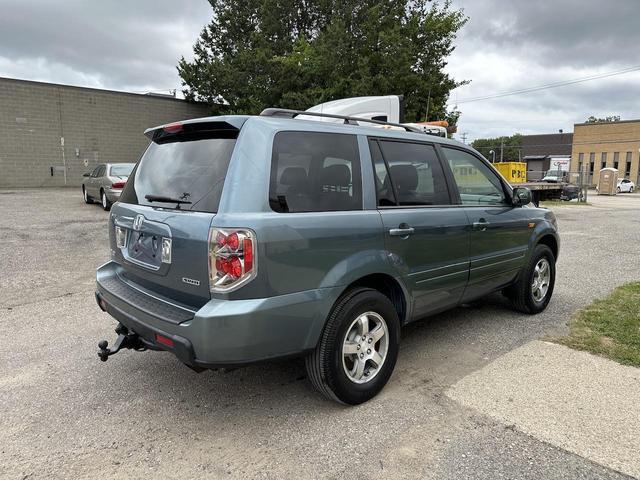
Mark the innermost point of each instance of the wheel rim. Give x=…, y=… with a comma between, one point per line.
x=365, y=347
x=104, y=200
x=84, y=194
x=541, y=280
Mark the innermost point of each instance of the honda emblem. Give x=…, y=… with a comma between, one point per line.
x=137, y=222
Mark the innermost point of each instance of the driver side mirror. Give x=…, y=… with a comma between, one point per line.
x=86, y=174
x=521, y=196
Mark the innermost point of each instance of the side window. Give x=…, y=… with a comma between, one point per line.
x=386, y=196
x=477, y=183
x=315, y=172
x=96, y=171
x=412, y=175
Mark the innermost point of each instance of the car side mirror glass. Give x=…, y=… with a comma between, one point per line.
x=86, y=174
x=521, y=196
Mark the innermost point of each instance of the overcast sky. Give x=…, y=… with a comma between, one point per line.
x=506, y=45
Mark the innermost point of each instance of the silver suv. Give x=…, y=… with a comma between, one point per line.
x=242, y=239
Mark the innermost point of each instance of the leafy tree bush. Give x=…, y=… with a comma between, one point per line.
x=298, y=53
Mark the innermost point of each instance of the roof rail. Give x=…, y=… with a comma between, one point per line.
x=283, y=112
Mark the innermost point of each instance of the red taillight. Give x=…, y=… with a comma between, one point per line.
x=221, y=239
x=231, y=258
x=248, y=254
x=164, y=340
x=233, y=241
x=173, y=127
x=118, y=185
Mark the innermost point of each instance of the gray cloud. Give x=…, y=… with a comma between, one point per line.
x=124, y=45
x=506, y=45
x=510, y=45
x=574, y=32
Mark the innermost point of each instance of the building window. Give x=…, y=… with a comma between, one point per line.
x=627, y=169
x=580, y=161
x=603, y=160
x=616, y=159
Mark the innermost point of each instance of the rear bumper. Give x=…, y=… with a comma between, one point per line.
x=113, y=195
x=222, y=333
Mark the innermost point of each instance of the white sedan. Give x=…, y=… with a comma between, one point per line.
x=626, y=186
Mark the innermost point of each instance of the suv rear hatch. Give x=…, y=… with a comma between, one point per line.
x=160, y=227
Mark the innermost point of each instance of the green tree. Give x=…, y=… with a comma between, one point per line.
x=298, y=53
x=610, y=119
x=511, y=147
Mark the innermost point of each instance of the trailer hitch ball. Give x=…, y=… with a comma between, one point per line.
x=125, y=340
x=104, y=351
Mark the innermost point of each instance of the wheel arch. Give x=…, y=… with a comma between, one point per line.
x=551, y=242
x=390, y=287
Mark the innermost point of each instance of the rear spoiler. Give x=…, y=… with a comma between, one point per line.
x=222, y=127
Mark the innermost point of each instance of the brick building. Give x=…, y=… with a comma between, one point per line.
x=49, y=130
x=612, y=144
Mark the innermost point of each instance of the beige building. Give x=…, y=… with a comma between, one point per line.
x=600, y=145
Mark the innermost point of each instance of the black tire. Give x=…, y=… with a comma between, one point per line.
x=325, y=365
x=104, y=201
x=521, y=292
x=85, y=196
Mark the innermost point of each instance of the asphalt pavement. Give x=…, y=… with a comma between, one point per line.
x=65, y=414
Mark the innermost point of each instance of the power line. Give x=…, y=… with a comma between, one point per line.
x=548, y=85
x=557, y=144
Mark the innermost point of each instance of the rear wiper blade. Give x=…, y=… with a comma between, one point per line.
x=163, y=199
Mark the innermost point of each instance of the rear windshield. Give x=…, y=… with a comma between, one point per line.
x=187, y=169
x=121, y=170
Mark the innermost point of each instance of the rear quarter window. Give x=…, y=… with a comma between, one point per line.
x=315, y=172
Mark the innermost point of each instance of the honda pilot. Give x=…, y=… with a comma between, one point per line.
x=242, y=239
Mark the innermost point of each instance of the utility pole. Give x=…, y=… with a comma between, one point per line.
x=501, y=149
x=464, y=137
x=428, y=102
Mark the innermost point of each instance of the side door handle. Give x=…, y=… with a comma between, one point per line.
x=403, y=230
x=481, y=225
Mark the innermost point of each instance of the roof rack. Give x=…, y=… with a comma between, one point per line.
x=283, y=112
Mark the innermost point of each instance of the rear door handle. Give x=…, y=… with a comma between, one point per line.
x=481, y=225
x=401, y=232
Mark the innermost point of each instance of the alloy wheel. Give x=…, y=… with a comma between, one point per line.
x=365, y=347
x=541, y=280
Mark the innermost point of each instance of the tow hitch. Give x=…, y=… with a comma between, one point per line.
x=124, y=340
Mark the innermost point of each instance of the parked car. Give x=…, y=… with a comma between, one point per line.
x=625, y=185
x=105, y=183
x=571, y=192
x=241, y=239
